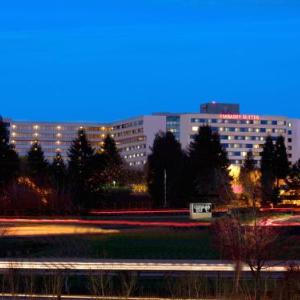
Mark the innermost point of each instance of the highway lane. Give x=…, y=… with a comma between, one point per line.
x=113, y=223
x=134, y=265
x=4, y=296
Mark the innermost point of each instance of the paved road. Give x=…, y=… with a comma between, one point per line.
x=133, y=265
x=77, y=297
x=110, y=222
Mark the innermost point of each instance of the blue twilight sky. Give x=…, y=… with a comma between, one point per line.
x=102, y=60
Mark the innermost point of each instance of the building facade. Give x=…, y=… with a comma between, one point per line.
x=53, y=136
x=134, y=137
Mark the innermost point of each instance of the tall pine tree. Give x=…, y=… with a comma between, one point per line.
x=38, y=166
x=281, y=162
x=248, y=178
x=9, y=160
x=58, y=173
x=209, y=166
x=164, y=171
x=110, y=151
x=249, y=163
x=267, y=167
x=80, y=169
x=112, y=162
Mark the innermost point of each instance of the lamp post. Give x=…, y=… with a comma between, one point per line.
x=165, y=188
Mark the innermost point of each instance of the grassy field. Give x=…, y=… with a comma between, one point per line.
x=25, y=239
x=152, y=244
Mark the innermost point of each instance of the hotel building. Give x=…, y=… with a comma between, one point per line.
x=53, y=136
x=134, y=137
x=239, y=133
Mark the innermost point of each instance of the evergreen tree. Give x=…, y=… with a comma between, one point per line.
x=58, y=173
x=37, y=164
x=249, y=163
x=281, y=162
x=295, y=171
x=110, y=151
x=294, y=178
x=164, y=170
x=209, y=166
x=267, y=168
x=111, y=161
x=247, y=178
x=80, y=169
x=9, y=160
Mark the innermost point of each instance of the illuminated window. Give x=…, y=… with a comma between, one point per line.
x=195, y=128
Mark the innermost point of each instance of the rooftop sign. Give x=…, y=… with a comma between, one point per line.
x=239, y=117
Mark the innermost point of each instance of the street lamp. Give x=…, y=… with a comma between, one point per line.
x=165, y=188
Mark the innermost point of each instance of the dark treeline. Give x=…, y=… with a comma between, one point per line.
x=88, y=179
x=174, y=177
x=202, y=174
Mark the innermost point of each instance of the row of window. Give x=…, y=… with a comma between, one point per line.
x=27, y=127
x=230, y=121
x=129, y=132
x=132, y=140
x=134, y=147
x=245, y=129
x=137, y=163
x=129, y=124
x=247, y=146
x=244, y=138
x=134, y=155
x=241, y=153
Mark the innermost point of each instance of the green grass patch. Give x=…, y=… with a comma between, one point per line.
x=149, y=244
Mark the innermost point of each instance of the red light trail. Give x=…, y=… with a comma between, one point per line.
x=107, y=222
x=139, y=212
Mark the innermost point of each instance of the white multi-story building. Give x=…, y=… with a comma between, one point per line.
x=134, y=137
x=53, y=136
x=242, y=133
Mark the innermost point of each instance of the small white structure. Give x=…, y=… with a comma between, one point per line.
x=200, y=211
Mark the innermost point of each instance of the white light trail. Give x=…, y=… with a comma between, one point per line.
x=134, y=265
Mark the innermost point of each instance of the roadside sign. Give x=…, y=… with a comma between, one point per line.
x=200, y=210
